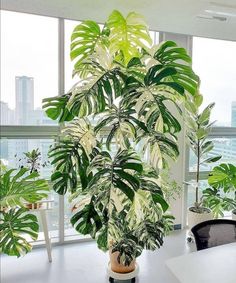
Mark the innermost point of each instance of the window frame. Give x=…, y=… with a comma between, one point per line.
x=216, y=132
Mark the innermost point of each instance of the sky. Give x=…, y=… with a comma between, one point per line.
x=29, y=46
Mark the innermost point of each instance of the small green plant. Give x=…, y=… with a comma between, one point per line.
x=33, y=160
x=221, y=196
x=198, y=128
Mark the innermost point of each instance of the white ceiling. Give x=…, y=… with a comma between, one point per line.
x=177, y=16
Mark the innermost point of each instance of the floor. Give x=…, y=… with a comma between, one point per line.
x=84, y=263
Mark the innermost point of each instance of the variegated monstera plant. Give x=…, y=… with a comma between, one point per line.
x=120, y=132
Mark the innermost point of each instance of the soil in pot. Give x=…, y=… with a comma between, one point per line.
x=118, y=267
x=200, y=210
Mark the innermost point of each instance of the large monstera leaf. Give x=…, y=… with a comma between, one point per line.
x=119, y=125
x=115, y=173
x=81, y=131
x=151, y=99
x=20, y=186
x=169, y=54
x=97, y=91
x=14, y=225
x=159, y=147
x=87, y=221
x=110, y=177
x=128, y=35
x=84, y=40
x=223, y=176
x=56, y=108
x=70, y=156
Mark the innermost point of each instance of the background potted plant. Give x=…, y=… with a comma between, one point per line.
x=221, y=196
x=18, y=187
x=111, y=164
x=198, y=128
x=33, y=163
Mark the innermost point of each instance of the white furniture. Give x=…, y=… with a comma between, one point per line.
x=42, y=207
x=122, y=276
x=213, y=265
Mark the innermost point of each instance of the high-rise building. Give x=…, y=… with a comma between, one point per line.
x=233, y=114
x=6, y=114
x=24, y=99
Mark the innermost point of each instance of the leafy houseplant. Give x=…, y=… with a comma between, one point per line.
x=198, y=128
x=19, y=187
x=221, y=195
x=111, y=165
x=33, y=163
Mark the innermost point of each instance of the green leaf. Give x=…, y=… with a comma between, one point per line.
x=56, y=108
x=205, y=115
x=84, y=40
x=14, y=225
x=212, y=159
x=22, y=187
x=87, y=221
x=158, y=198
x=127, y=36
x=169, y=55
x=223, y=176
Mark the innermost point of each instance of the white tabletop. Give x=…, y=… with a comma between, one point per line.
x=213, y=265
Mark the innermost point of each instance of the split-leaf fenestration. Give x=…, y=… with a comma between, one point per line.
x=123, y=112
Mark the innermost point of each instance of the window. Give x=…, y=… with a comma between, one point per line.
x=29, y=52
x=214, y=61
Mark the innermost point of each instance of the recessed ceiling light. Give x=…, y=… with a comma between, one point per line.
x=212, y=17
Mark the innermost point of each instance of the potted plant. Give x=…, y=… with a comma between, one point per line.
x=19, y=186
x=33, y=163
x=221, y=196
x=111, y=164
x=198, y=128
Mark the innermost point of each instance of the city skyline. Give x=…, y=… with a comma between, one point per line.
x=25, y=112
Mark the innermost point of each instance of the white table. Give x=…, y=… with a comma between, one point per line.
x=42, y=207
x=213, y=265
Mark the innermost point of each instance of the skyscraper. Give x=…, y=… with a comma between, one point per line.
x=24, y=99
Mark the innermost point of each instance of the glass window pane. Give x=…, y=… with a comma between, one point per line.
x=69, y=80
x=226, y=147
x=214, y=61
x=29, y=67
x=12, y=153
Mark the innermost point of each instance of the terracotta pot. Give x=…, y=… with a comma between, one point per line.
x=234, y=214
x=118, y=267
x=33, y=205
x=194, y=218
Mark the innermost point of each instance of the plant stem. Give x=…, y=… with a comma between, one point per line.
x=198, y=173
